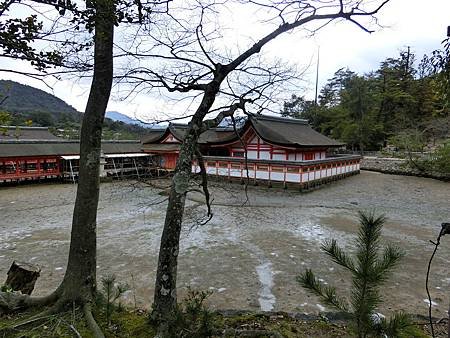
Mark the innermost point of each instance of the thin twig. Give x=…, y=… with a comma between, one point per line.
x=75, y=331
x=444, y=230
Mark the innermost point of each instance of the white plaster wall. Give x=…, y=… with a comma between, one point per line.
x=264, y=155
x=252, y=154
x=235, y=172
x=264, y=175
x=223, y=171
x=293, y=177
x=279, y=157
x=277, y=176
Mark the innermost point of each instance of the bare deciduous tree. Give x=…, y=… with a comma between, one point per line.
x=220, y=81
x=79, y=282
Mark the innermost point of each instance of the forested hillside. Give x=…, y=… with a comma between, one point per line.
x=26, y=102
x=403, y=103
x=25, y=105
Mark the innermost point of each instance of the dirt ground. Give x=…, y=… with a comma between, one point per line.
x=248, y=255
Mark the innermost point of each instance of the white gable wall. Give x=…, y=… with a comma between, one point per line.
x=258, y=149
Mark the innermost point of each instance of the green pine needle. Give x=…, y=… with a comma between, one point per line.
x=370, y=268
x=338, y=256
x=326, y=293
x=396, y=325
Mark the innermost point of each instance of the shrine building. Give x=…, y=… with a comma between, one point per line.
x=266, y=148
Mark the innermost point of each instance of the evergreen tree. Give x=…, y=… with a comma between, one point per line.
x=366, y=111
x=370, y=269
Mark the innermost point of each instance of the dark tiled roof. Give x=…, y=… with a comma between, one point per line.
x=276, y=130
x=18, y=149
x=121, y=147
x=211, y=136
x=153, y=135
x=215, y=136
x=161, y=147
x=61, y=148
x=289, y=132
x=26, y=133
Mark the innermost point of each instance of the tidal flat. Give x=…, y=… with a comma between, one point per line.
x=251, y=251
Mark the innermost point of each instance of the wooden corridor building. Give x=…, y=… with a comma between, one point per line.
x=265, y=148
x=33, y=153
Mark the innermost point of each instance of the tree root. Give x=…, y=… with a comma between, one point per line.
x=93, y=326
x=16, y=301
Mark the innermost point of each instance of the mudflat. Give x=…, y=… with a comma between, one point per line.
x=251, y=251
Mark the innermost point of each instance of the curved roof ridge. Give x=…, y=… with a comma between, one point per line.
x=275, y=118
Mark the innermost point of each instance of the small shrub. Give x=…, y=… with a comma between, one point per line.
x=441, y=161
x=6, y=288
x=370, y=268
x=191, y=318
x=111, y=292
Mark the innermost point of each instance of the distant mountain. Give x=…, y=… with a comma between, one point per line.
x=26, y=103
x=116, y=116
x=35, y=104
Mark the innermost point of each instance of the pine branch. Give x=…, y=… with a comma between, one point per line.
x=391, y=258
x=338, y=256
x=396, y=325
x=326, y=293
x=365, y=297
x=368, y=245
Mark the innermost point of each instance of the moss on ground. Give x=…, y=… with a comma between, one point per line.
x=124, y=324
x=135, y=324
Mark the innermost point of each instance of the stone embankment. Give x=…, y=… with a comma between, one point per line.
x=397, y=166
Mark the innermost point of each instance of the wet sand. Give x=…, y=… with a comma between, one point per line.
x=247, y=255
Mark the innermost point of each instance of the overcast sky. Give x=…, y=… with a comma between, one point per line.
x=415, y=23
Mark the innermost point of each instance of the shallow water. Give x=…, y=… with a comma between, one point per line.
x=247, y=255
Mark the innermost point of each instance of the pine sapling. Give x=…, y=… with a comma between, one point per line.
x=370, y=268
x=112, y=291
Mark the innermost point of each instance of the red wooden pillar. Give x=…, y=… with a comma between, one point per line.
x=17, y=164
x=38, y=167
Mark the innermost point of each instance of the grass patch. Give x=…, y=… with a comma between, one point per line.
x=135, y=324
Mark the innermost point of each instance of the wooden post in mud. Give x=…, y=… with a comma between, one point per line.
x=22, y=277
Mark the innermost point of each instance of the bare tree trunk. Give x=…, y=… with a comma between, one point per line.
x=79, y=282
x=165, y=297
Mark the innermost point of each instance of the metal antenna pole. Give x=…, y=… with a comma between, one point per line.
x=317, y=74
